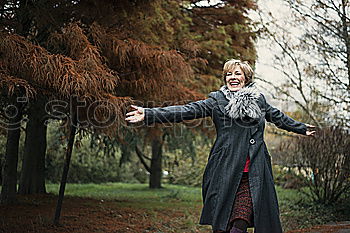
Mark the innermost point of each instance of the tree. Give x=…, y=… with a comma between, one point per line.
x=78, y=59
x=110, y=51
x=11, y=47
x=11, y=158
x=313, y=54
x=206, y=36
x=32, y=178
x=12, y=90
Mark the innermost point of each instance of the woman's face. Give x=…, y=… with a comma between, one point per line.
x=235, y=80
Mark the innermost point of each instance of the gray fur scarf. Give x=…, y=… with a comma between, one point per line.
x=242, y=103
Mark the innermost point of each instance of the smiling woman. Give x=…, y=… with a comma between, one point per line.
x=237, y=74
x=238, y=189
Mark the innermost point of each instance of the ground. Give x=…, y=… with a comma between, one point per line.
x=34, y=213
x=337, y=227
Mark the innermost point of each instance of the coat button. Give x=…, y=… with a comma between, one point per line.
x=252, y=141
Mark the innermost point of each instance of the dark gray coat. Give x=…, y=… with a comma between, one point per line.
x=235, y=140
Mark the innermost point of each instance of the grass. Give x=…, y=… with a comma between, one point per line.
x=123, y=191
x=296, y=211
x=155, y=202
x=134, y=195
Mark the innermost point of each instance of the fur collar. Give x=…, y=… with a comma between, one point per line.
x=242, y=103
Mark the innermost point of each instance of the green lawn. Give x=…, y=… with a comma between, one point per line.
x=296, y=212
x=169, y=200
x=134, y=195
x=123, y=191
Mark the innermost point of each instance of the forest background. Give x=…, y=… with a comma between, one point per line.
x=78, y=65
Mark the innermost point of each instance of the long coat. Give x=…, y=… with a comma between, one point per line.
x=235, y=140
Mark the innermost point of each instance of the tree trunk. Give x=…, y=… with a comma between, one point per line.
x=33, y=164
x=156, y=163
x=1, y=155
x=344, y=18
x=69, y=150
x=9, y=183
x=125, y=154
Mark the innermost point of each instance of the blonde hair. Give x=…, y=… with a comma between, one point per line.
x=231, y=64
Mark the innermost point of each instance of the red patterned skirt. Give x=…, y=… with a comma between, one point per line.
x=243, y=205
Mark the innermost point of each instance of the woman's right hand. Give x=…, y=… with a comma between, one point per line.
x=310, y=130
x=137, y=115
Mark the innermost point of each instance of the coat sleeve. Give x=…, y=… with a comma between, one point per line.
x=178, y=113
x=283, y=121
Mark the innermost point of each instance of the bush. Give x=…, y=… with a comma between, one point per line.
x=188, y=169
x=325, y=161
x=288, y=178
x=89, y=163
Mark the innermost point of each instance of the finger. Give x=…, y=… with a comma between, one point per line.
x=311, y=133
x=134, y=121
x=134, y=106
x=140, y=110
x=130, y=118
x=310, y=126
x=131, y=113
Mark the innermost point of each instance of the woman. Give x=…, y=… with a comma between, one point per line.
x=238, y=189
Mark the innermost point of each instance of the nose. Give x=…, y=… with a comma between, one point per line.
x=231, y=77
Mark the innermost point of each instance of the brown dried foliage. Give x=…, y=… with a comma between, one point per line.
x=10, y=85
x=63, y=75
x=105, y=115
x=73, y=43
x=84, y=75
x=143, y=68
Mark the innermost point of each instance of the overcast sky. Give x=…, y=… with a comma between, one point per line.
x=265, y=53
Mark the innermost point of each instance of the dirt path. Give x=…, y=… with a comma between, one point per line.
x=341, y=227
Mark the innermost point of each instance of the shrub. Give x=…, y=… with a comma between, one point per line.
x=89, y=164
x=188, y=169
x=287, y=177
x=325, y=161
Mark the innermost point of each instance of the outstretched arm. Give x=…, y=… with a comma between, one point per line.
x=172, y=114
x=283, y=121
x=137, y=115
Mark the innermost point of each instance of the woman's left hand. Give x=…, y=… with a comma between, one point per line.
x=310, y=130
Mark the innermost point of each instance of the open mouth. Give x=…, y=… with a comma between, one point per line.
x=234, y=82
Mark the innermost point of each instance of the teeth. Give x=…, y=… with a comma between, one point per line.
x=234, y=83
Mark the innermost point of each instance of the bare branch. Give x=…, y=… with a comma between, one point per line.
x=302, y=106
x=141, y=157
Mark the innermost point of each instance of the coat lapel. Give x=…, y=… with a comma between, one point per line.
x=222, y=102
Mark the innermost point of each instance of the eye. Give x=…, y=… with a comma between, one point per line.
x=228, y=74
